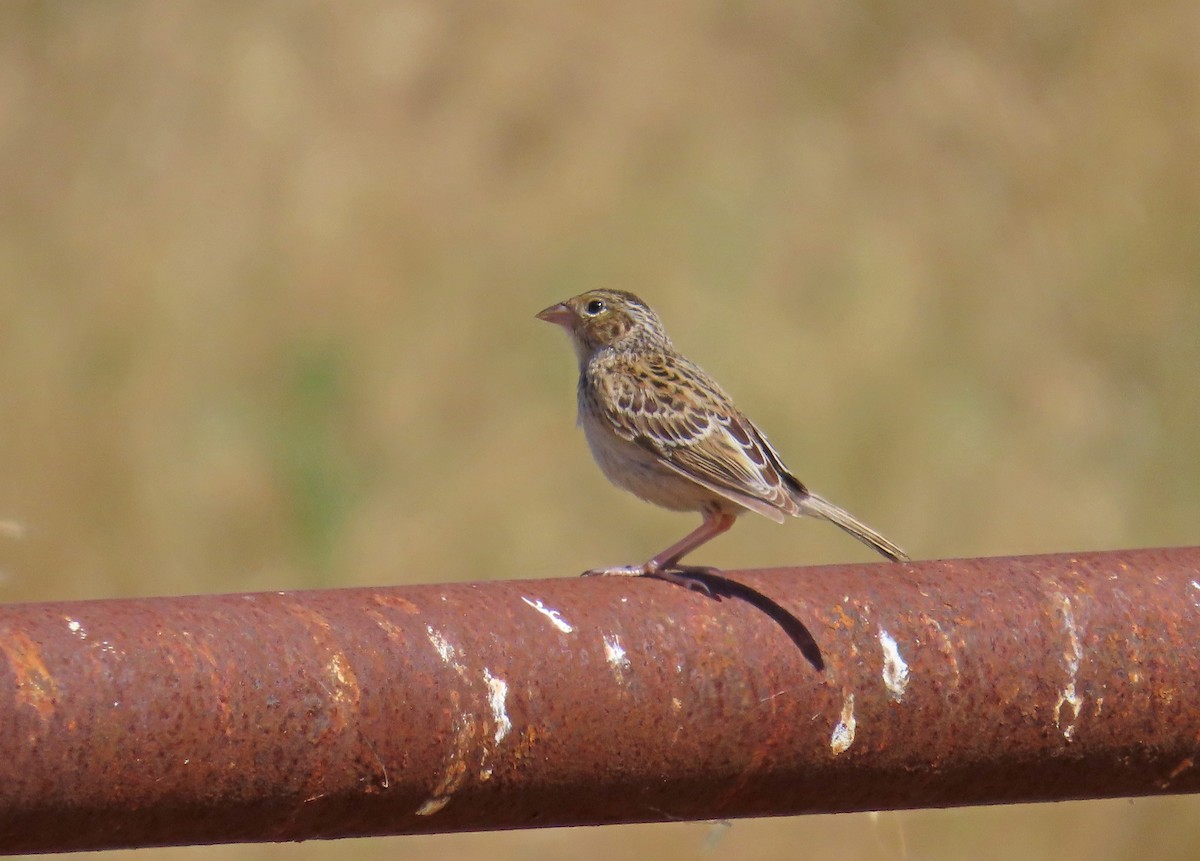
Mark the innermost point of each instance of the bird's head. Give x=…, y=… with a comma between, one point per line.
x=607, y=318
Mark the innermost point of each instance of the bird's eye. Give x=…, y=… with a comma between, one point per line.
x=594, y=307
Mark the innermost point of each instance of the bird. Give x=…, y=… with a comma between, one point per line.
x=663, y=429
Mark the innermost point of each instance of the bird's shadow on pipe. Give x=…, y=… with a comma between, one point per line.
x=719, y=586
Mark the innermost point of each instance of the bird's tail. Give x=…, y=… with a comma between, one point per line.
x=815, y=506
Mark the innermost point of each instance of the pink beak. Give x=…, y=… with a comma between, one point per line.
x=560, y=314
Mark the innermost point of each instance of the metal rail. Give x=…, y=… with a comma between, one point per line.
x=295, y=715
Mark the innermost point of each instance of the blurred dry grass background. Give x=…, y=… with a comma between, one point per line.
x=268, y=271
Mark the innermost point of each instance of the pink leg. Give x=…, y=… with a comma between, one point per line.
x=665, y=565
x=713, y=525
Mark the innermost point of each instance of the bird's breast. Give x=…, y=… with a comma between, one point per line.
x=638, y=470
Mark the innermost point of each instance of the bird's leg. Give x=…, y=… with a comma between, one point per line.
x=714, y=524
x=665, y=565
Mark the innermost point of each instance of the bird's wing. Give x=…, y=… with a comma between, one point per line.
x=671, y=407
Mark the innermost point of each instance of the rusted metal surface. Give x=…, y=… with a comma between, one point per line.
x=287, y=716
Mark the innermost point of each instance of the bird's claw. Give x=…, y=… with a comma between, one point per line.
x=687, y=576
x=616, y=571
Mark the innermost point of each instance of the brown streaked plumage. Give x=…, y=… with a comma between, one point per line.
x=661, y=428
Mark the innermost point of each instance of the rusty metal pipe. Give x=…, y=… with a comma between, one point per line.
x=295, y=715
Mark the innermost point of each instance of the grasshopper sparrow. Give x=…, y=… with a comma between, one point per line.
x=661, y=428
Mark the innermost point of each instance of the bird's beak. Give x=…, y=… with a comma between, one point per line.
x=560, y=314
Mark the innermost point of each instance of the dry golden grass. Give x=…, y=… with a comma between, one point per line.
x=267, y=277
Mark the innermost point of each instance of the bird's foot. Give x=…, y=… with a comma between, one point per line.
x=680, y=575
x=687, y=576
x=617, y=571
